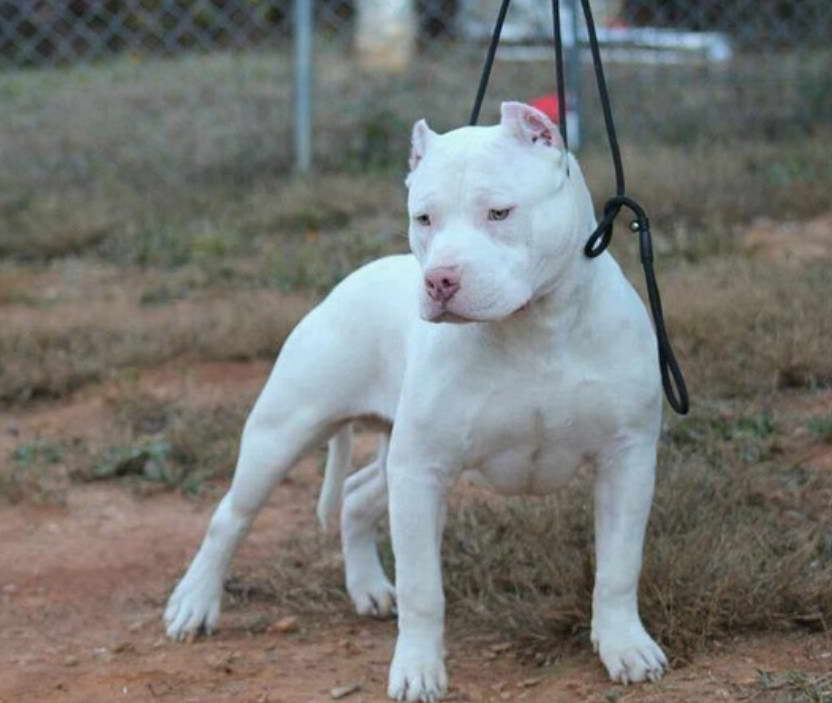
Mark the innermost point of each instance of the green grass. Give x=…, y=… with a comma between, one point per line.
x=821, y=427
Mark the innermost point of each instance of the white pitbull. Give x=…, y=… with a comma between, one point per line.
x=557, y=367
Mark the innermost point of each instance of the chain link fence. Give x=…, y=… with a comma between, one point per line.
x=163, y=108
x=38, y=32
x=747, y=59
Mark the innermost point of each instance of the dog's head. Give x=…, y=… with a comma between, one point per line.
x=493, y=217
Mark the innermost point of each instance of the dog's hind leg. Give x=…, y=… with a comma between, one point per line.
x=365, y=503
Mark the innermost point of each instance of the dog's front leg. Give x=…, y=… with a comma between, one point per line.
x=417, y=495
x=623, y=495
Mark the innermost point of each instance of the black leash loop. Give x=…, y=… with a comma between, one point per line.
x=673, y=381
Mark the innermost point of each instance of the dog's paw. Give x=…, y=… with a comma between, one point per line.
x=417, y=672
x=193, y=607
x=374, y=597
x=629, y=654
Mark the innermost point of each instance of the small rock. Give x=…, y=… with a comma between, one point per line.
x=346, y=690
x=287, y=624
x=71, y=660
x=533, y=681
x=102, y=653
x=122, y=647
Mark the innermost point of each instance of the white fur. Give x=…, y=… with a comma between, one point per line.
x=558, y=370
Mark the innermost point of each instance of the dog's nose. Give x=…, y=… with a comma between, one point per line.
x=442, y=283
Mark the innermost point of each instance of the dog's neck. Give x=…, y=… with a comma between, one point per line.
x=555, y=312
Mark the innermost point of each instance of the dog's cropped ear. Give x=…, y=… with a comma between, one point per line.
x=530, y=125
x=419, y=141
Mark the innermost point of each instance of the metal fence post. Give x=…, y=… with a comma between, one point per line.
x=303, y=84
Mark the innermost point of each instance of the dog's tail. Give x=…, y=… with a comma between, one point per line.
x=338, y=466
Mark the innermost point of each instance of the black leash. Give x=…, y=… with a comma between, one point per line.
x=672, y=379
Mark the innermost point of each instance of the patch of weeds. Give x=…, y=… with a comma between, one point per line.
x=37, y=473
x=38, y=452
x=759, y=425
x=752, y=437
x=163, y=295
x=150, y=461
x=793, y=687
x=306, y=575
x=205, y=442
x=821, y=427
x=169, y=445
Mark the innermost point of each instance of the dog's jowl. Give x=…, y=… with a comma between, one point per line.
x=496, y=348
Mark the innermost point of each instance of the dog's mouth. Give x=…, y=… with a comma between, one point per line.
x=445, y=315
x=448, y=316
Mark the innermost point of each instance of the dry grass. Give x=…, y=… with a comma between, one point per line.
x=148, y=442
x=169, y=445
x=739, y=541
x=744, y=327
x=47, y=353
x=792, y=687
x=164, y=162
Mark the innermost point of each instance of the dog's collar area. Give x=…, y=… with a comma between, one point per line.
x=673, y=380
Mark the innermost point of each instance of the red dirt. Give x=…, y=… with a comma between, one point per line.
x=82, y=587
x=794, y=243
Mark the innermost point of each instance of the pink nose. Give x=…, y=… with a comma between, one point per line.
x=442, y=283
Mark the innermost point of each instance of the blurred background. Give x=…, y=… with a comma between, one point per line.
x=143, y=128
x=181, y=180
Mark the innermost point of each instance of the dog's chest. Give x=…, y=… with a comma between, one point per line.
x=528, y=436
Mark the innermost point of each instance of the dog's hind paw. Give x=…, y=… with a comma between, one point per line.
x=376, y=598
x=630, y=655
x=193, y=607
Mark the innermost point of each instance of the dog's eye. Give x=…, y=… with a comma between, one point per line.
x=497, y=215
x=423, y=219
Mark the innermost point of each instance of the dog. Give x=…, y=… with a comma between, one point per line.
x=497, y=349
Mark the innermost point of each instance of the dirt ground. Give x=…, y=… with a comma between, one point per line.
x=82, y=587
